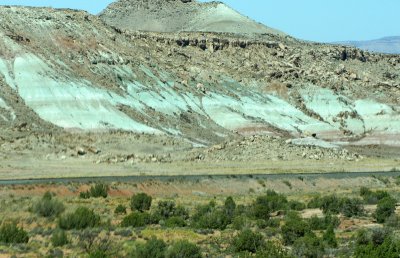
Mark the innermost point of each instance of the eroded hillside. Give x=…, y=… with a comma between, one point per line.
x=67, y=70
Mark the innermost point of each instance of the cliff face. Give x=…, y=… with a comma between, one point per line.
x=69, y=70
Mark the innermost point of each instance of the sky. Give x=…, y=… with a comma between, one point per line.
x=315, y=20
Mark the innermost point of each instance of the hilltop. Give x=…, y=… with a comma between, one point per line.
x=180, y=15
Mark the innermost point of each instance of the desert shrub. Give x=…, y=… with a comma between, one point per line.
x=379, y=235
x=273, y=250
x=96, y=191
x=59, y=238
x=120, y=209
x=385, y=208
x=210, y=216
x=55, y=253
x=268, y=203
x=393, y=221
x=351, y=207
x=84, y=195
x=81, y=218
x=141, y=202
x=99, y=190
x=294, y=228
x=154, y=248
x=323, y=223
x=136, y=219
x=315, y=202
x=10, y=233
x=329, y=237
x=98, y=254
x=168, y=209
x=371, y=197
x=309, y=246
x=184, y=249
x=95, y=245
x=240, y=222
x=335, y=205
x=215, y=219
x=174, y=222
x=271, y=223
x=378, y=244
x=296, y=205
x=123, y=232
x=230, y=207
x=331, y=204
x=248, y=241
x=47, y=206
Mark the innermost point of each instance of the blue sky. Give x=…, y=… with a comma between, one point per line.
x=317, y=20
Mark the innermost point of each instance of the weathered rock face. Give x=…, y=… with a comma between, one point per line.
x=68, y=69
x=179, y=15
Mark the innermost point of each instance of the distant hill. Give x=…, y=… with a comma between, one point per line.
x=388, y=45
x=180, y=15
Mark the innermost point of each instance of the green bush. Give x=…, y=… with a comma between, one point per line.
x=268, y=203
x=81, y=218
x=335, y=205
x=120, y=209
x=248, y=241
x=296, y=205
x=10, y=233
x=309, y=246
x=273, y=250
x=98, y=254
x=168, y=209
x=351, y=207
x=47, y=206
x=240, y=222
x=230, y=208
x=323, y=223
x=96, y=191
x=141, y=202
x=379, y=244
x=214, y=220
x=294, y=228
x=174, y=222
x=59, y=238
x=329, y=237
x=372, y=197
x=184, y=249
x=385, y=208
x=154, y=248
x=315, y=202
x=136, y=219
x=271, y=223
x=331, y=204
x=393, y=221
x=210, y=217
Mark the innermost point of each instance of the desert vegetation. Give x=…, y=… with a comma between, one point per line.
x=362, y=223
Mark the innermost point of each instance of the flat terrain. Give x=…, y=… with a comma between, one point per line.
x=17, y=202
x=25, y=155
